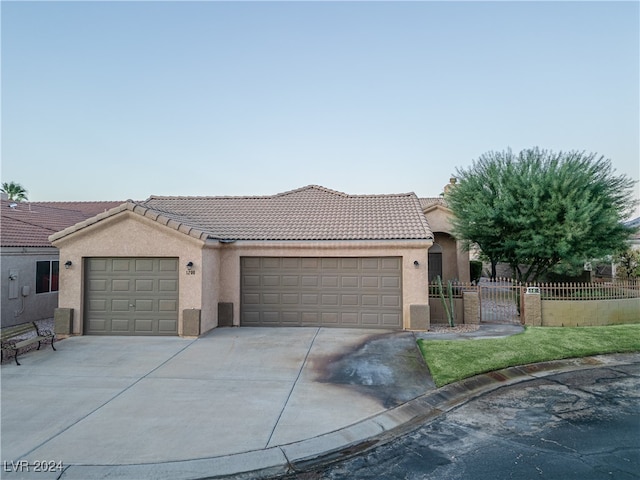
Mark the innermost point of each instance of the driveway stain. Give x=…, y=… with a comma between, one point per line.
x=387, y=367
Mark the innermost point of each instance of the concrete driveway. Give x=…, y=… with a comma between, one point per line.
x=156, y=407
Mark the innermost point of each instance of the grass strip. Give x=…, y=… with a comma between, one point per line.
x=453, y=360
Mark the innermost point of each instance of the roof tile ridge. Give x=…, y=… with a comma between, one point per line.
x=422, y=217
x=383, y=195
x=205, y=197
x=62, y=208
x=311, y=187
x=74, y=202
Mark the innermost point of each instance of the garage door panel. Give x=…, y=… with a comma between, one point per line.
x=144, y=265
x=168, y=265
x=391, y=263
x=390, y=282
x=120, y=285
x=168, y=306
x=271, y=299
x=97, y=325
x=329, y=263
x=271, y=263
x=330, y=281
x=120, y=265
x=271, y=281
x=131, y=296
x=120, y=325
x=166, y=285
x=391, y=319
x=310, y=318
x=349, y=282
x=290, y=298
x=120, y=305
x=144, y=305
x=370, y=282
x=349, y=300
x=98, y=285
x=345, y=291
x=310, y=299
x=293, y=263
x=370, y=319
x=272, y=317
x=97, y=305
x=329, y=299
x=370, y=263
x=290, y=280
x=370, y=300
x=349, y=263
x=291, y=318
x=251, y=299
x=330, y=319
x=144, y=325
x=390, y=300
x=310, y=281
x=310, y=263
x=167, y=326
x=144, y=285
x=349, y=319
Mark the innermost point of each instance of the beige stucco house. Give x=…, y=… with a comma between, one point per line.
x=307, y=257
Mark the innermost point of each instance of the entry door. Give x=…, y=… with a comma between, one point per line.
x=131, y=296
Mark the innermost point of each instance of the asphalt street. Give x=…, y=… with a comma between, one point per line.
x=577, y=425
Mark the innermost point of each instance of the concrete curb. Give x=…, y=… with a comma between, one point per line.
x=343, y=443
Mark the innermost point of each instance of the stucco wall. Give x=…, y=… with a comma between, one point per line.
x=130, y=235
x=582, y=313
x=455, y=260
x=22, y=262
x=414, y=279
x=439, y=219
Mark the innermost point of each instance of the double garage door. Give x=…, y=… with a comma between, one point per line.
x=131, y=296
x=321, y=291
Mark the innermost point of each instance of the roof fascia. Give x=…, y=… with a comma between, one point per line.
x=136, y=208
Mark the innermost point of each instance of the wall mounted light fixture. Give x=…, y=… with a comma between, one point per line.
x=68, y=264
x=416, y=263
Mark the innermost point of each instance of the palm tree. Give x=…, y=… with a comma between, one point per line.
x=15, y=191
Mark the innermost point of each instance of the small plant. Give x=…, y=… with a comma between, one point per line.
x=447, y=302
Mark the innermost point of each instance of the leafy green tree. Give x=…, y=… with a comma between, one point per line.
x=628, y=265
x=15, y=191
x=538, y=208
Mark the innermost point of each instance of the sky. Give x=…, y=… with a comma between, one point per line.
x=123, y=100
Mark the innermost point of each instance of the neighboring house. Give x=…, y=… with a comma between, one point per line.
x=30, y=264
x=307, y=257
x=634, y=242
x=447, y=258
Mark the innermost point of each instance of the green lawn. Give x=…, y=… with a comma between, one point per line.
x=452, y=360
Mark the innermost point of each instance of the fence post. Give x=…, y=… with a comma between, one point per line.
x=532, y=307
x=471, y=307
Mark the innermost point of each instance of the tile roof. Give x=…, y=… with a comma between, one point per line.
x=428, y=202
x=29, y=224
x=308, y=213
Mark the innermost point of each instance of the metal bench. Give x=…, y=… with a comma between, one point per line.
x=12, y=341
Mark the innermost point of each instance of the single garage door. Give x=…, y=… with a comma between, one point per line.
x=131, y=296
x=332, y=292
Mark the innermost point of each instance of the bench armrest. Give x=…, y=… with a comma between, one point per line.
x=9, y=344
